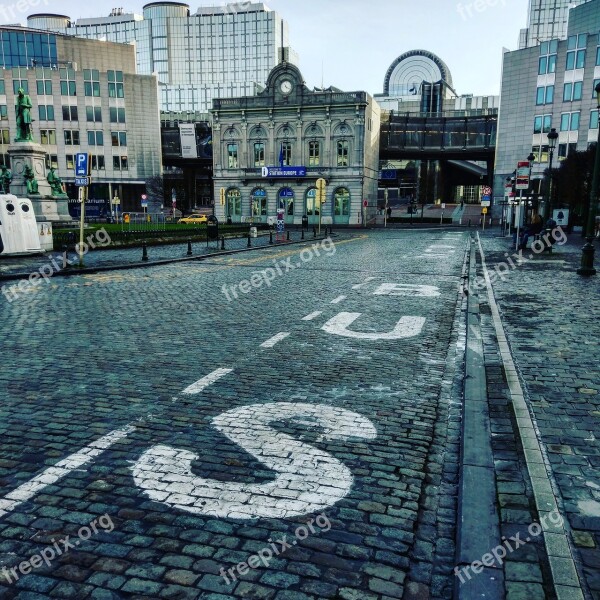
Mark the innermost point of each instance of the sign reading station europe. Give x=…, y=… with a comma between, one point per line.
x=284, y=171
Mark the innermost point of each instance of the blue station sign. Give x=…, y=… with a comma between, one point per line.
x=284, y=171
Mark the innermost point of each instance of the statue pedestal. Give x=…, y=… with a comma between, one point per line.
x=45, y=206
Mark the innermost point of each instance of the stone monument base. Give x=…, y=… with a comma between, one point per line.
x=46, y=206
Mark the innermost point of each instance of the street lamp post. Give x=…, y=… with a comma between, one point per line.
x=552, y=137
x=587, y=253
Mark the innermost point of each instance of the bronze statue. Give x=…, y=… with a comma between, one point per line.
x=5, y=179
x=24, y=132
x=55, y=183
x=32, y=184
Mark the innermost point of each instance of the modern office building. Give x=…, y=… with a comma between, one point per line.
x=270, y=150
x=216, y=52
x=86, y=97
x=546, y=20
x=548, y=86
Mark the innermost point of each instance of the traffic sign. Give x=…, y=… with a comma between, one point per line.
x=365, y=203
x=486, y=191
x=321, y=190
x=522, y=179
x=82, y=164
x=82, y=181
x=484, y=211
x=486, y=201
x=222, y=196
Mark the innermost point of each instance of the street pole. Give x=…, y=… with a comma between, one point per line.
x=518, y=218
x=385, y=195
x=552, y=137
x=587, y=253
x=82, y=198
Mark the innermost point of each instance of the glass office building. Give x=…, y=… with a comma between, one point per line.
x=216, y=52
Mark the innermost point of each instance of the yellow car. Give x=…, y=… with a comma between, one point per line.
x=194, y=219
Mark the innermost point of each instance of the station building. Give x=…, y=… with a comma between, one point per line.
x=270, y=149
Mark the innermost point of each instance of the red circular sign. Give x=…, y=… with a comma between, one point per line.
x=365, y=203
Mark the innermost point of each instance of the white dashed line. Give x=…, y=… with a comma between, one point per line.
x=203, y=383
x=313, y=316
x=339, y=299
x=61, y=469
x=362, y=285
x=274, y=340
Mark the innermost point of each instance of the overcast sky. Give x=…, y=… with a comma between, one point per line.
x=356, y=40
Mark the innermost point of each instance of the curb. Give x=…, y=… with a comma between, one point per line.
x=478, y=528
x=156, y=263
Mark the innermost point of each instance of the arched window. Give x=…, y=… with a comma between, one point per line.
x=286, y=201
x=259, y=202
x=341, y=202
x=234, y=203
x=311, y=202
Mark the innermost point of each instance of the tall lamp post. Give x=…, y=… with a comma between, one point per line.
x=552, y=137
x=531, y=160
x=587, y=253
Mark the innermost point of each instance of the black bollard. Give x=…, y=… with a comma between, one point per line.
x=222, y=242
x=288, y=236
x=331, y=229
x=144, y=252
x=189, y=252
x=249, y=241
x=314, y=232
x=302, y=237
x=270, y=237
x=469, y=222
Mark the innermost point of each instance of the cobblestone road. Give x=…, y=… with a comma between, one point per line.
x=192, y=438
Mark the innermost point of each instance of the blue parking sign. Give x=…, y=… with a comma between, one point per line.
x=81, y=164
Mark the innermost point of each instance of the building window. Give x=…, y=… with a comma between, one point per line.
x=115, y=84
x=232, y=156
x=286, y=154
x=259, y=154
x=120, y=163
x=4, y=136
x=70, y=161
x=91, y=82
x=594, y=119
x=234, y=203
x=545, y=95
x=93, y=114
x=542, y=123
x=71, y=137
x=98, y=163
x=342, y=153
x=598, y=56
x=575, y=59
x=341, y=202
x=44, y=87
x=547, y=61
x=118, y=138
x=48, y=137
x=117, y=115
x=259, y=203
x=95, y=138
x=572, y=91
x=46, y=112
x=565, y=149
x=314, y=154
x=596, y=82
x=3, y=112
x=68, y=87
x=20, y=83
x=311, y=202
x=569, y=121
x=2, y=88
x=51, y=161
x=70, y=113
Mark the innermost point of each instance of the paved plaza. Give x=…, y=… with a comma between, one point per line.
x=287, y=423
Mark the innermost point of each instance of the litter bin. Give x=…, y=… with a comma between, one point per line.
x=212, y=228
x=253, y=232
x=304, y=222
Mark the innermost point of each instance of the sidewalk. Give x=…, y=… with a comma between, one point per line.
x=551, y=319
x=11, y=267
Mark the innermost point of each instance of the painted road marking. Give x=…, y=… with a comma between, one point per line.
x=61, y=469
x=274, y=340
x=339, y=299
x=362, y=285
x=406, y=289
x=313, y=316
x=308, y=479
x=406, y=327
x=203, y=383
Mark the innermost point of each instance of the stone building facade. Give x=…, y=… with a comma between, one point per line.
x=270, y=149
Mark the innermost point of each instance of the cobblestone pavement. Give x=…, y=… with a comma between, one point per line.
x=298, y=441
x=110, y=256
x=551, y=317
